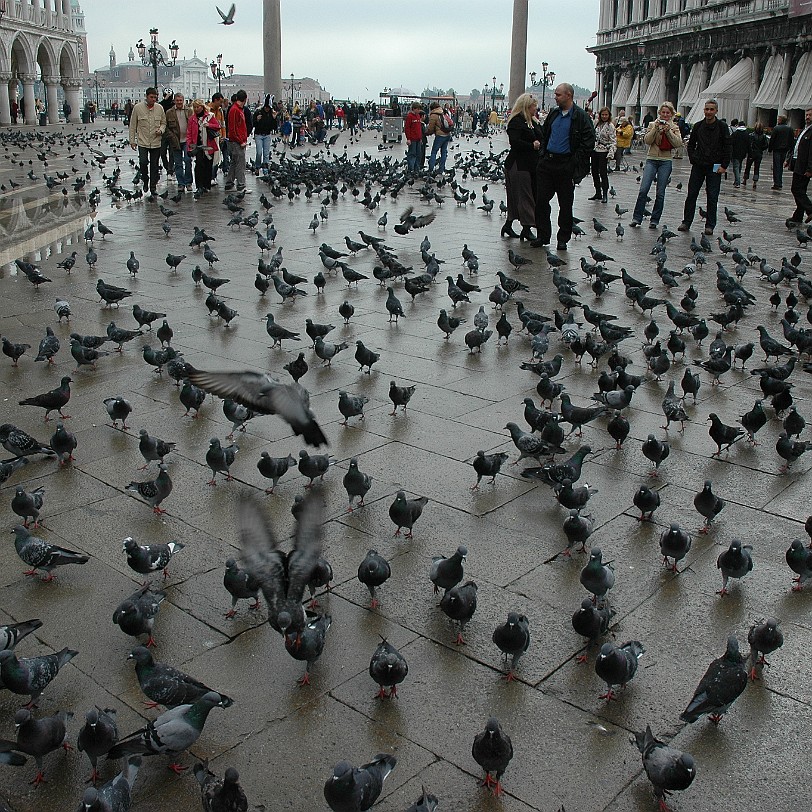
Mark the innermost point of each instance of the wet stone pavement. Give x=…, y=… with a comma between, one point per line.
x=571, y=748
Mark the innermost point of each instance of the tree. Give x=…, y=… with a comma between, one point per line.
x=475, y=94
x=451, y=92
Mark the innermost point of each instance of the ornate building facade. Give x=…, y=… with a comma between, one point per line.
x=42, y=54
x=754, y=56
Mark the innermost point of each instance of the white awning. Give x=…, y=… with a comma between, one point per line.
x=737, y=83
x=655, y=93
x=690, y=93
x=634, y=94
x=622, y=92
x=697, y=112
x=800, y=89
x=770, y=88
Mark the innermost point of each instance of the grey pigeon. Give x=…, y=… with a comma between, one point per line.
x=171, y=733
x=577, y=528
x=313, y=465
x=55, y=399
x=147, y=558
x=8, y=467
x=487, y=465
x=405, y=512
x=393, y=305
x=153, y=448
x=616, y=665
x=596, y=577
x=388, y=667
x=474, y=339
x=63, y=444
x=400, y=396
x=115, y=795
x=154, y=491
x=646, y=501
x=274, y=468
x=219, y=459
x=12, y=633
x=708, y=505
x=799, y=560
x=351, y=406
x=492, y=750
x=459, y=603
x=25, y=504
x=31, y=676
x=240, y=584
x=725, y=679
x=136, y=615
x=512, y=638
x=42, y=555
x=675, y=542
x=309, y=644
x=735, y=562
x=425, y=803
x=38, y=737
x=97, y=736
x=220, y=794
x=48, y=347
x=446, y=573
x=355, y=789
x=20, y=443
x=764, y=638
x=356, y=483
x=164, y=685
x=373, y=572
x=667, y=768
x=118, y=408
x=591, y=621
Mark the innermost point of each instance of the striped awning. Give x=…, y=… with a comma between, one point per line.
x=634, y=93
x=735, y=83
x=655, y=93
x=690, y=93
x=622, y=92
x=769, y=90
x=800, y=89
x=697, y=112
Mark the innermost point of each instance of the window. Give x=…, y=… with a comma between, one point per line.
x=629, y=10
x=645, y=9
x=614, y=13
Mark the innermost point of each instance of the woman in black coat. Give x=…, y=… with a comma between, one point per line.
x=524, y=136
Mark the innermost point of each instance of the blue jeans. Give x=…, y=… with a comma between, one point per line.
x=440, y=144
x=183, y=165
x=661, y=170
x=702, y=173
x=736, y=166
x=413, y=156
x=263, y=145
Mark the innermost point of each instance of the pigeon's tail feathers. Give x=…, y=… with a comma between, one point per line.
x=201, y=772
x=69, y=557
x=382, y=764
x=66, y=655
x=696, y=708
x=133, y=745
x=131, y=770
x=644, y=740
x=11, y=758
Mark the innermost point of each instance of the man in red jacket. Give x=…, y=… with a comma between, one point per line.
x=414, y=136
x=237, y=141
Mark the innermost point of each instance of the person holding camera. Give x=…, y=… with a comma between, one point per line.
x=662, y=137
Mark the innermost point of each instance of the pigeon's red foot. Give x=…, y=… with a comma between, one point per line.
x=230, y=614
x=582, y=658
x=151, y=705
x=39, y=778
x=460, y=641
x=715, y=718
x=381, y=693
x=722, y=592
x=509, y=677
x=753, y=674
x=94, y=777
x=254, y=606
x=608, y=696
x=178, y=769
x=374, y=603
x=303, y=680
x=151, y=642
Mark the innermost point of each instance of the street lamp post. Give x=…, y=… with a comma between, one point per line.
x=96, y=84
x=547, y=80
x=494, y=91
x=218, y=73
x=154, y=56
x=297, y=86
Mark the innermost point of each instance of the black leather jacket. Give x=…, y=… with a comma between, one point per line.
x=582, y=139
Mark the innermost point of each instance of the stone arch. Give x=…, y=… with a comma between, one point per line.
x=46, y=56
x=68, y=66
x=21, y=57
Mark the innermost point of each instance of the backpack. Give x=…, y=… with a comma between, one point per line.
x=445, y=124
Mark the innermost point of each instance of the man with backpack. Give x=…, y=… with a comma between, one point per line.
x=441, y=126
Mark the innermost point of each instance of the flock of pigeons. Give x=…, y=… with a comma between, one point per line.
x=570, y=323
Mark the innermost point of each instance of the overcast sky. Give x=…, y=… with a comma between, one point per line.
x=356, y=47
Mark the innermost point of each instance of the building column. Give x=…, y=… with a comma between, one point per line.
x=599, y=87
x=615, y=84
x=518, y=52
x=683, y=78
x=272, y=46
x=5, y=102
x=785, y=74
x=51, y=98
x=72, y=88
x=754, y=83
x=28, y=98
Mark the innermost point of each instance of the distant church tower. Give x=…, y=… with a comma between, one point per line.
x=112, y=57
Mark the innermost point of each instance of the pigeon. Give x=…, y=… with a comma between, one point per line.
x=264, y=394
x=277, y=332
x=400, y=396
x=356, y=483
x=512, y=638
x=448, y=323
x=355, y=789
x=388, y=668
x=240, y=584
x=56, y=399
x=153, y=448
x=219, y=459
x=425, y=803
x=799, y=560
x=674, y=543
x=722, y=434
x=725, y=679
x=487, y=465
x=226, y=19
x=14, y=350
x=790, y=450
x=8, y=467
x=274, y=468
x=118, y=408
x=164, y=685
x=656, y=451
x=517, y=260
x=136, y=615
x=115, y=795
x=446, y=573
x=735, y=562
x=591, y=621
x=282, y=577
x=308, y=645
x=405, y=512
x=393, y=305
x=365, y=357
x=62, y=309
x=346, y=311
x=764, y=638
x=373, y=571
x=577, y=529
x=12, y=633
x=667, y=768
x=596, y=577
x=148, y=558
x=555, y=473
x=26, y=504
x=616, y=665
x=48, y=347
x=146, y=317
x=492, y=750
x=220, y=794
x=476, y=338
x=646, y=501
x=97, y=736
x=459, y=603
x=38, y=737
x=33, y=675
x=708, y=505
x=313, y=466
x=174, y=731
x=351, y=406
x=297, y=368
x=154, y=491
x=42, y=555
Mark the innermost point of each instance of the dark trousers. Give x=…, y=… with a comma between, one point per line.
x=148, y=163
x=778, y=169
x=554, y=178
x=800, y=192
x=702, y=174
x=600, y=174
x=203, y=168
x=755, y=163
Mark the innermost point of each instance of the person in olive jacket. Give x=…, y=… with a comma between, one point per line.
x=524, y=136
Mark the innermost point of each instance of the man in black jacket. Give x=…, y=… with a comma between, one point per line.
x=780, y=144
x=709, y=153
x=801, y=165
x=568, y=138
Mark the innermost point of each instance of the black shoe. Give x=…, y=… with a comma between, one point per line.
x=634, y=224
x=507, y=231
x=539, y=243
x=684, y=227
x=596, y=196
x=708, y=232
x=653, y=225
x=604, y=199
x=527, y=234
x=561, y=246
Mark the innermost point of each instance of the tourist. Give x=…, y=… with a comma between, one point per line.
x=780, y=145
x=215, y=106
x=177, y=121
x=128, y=111
x=567, y=141
x=413, y=130
x=147, y=127
x=351, y=119
x=624, y=133
x=662, y=137
x=340, y=115
x=709, y=154
x=167, y=102
x=755, y=153
x=524, y=136
x=329, y=114
x=237, y=141
x=739, y=147
x=296, y=125
x=440, y=126
x=605, y=146
x=203, y=141
x=264, y=121
x=801, y=165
